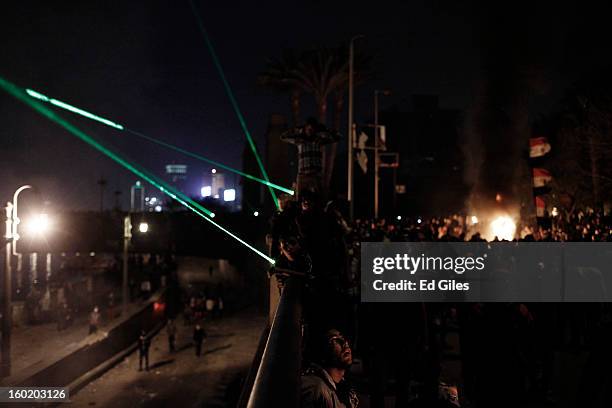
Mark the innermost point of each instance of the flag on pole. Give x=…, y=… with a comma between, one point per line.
x=362, y=160
x=382, y=136
x=538, y=147
x=363, y=138
x=540, y=207
x=541, y=177
x=362, y=157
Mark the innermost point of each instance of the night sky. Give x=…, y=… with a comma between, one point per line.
x=144, y=64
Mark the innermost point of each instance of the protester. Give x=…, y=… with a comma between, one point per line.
x=111, y=306
x=64, y=317
x=323, y=382
x=144, y=343
x=171, y=331
x=94, y=320
x=293, y=260
x=309, y=140
x=198, y=338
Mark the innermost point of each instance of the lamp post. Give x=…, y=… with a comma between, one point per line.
x=385, y=92
x=7, y=315
x=15, y=233
x=351, y=129
x=11, y=235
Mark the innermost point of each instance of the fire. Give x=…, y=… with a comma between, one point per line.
x=503, y=227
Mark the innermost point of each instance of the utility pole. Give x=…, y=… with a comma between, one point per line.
x=7, y=312
x=376, y=154
x=351, y=128
x=127, y=236
x=385, y=92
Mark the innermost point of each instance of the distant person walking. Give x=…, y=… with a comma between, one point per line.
x=111, y=306
x=198, y=338
x=144, y=343
x=94, y=320
x=64, y=317
x=210, y=306
x=171, y=331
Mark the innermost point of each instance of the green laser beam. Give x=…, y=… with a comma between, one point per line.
x=162, y=186
x=213, y=162
x=89, y=115
x=71, y=108
x=232, y=98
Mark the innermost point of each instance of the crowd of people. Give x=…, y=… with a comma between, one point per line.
x=201, y=304
x=508, y=351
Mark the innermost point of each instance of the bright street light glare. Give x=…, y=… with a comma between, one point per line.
x=206, y=191
x=229, y=195
x=38, y=224
x=143, y=227
x=256, y=214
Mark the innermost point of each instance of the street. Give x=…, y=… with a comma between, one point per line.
x=180, y=378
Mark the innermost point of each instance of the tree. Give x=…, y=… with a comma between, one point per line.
x=321, y=72
x=102, y=183
x=280, y=76
x=585, y=138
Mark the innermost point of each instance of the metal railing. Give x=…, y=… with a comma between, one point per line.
x=277, y=383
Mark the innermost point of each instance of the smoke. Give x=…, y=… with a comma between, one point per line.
x=496, y=131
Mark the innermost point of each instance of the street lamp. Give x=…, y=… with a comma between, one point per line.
x=11, y=236
x=385, y=92
x=38, y=225
x=351, y=130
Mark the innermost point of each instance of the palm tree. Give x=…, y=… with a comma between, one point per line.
x=279, y=76
x=321, y=72
x=102, y=183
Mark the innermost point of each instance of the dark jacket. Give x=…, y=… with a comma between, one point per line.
x=199, y=335
x=320, y=391
x=143, y=344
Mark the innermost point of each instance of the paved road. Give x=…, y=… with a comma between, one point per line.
x=181, y=379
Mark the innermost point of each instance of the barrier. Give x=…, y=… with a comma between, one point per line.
x=277, y=383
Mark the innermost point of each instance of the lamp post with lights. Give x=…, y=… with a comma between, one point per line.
x=12, y=236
